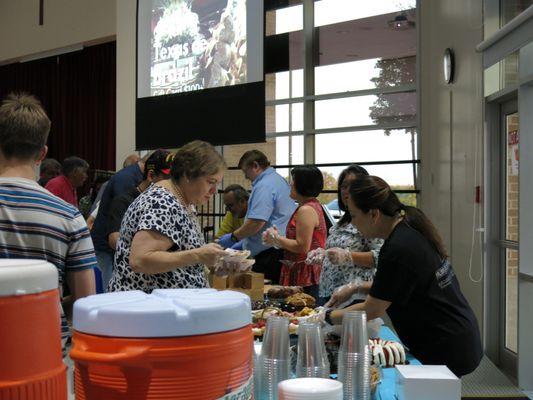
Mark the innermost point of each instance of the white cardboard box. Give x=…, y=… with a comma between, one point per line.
x=424, y=382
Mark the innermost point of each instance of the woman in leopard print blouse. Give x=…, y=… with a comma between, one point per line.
x=161, y=245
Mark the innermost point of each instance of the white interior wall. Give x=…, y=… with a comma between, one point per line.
x=126, y=41
x=451, y=124
x=66, y=23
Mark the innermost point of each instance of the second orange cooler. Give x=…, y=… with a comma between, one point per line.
x=31, y=365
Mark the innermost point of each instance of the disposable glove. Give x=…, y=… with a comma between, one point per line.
x=342, y=294
x=226, y=241
x=316, y=256
x=338, y=256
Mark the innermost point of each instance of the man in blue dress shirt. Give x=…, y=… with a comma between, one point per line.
x=269, y=205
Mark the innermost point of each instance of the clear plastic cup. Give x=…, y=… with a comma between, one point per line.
x=354, y=337
x=276, y=339
x=275, y=357
x=354, y=357
x=354, y=373
x=257, y=369
x=312, y=360
x=273, y=372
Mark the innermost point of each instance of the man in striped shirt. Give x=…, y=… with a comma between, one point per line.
x=34, y=223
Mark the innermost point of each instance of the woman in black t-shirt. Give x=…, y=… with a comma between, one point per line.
x=414, y=282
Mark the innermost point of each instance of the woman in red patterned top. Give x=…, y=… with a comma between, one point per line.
x=306, y=231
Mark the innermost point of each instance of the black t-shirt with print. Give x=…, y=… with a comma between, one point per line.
x=428, y=310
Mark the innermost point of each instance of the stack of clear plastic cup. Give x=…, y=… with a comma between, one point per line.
x=257, y=369
x=275, y=357
x=354, y=357
x=312, y=361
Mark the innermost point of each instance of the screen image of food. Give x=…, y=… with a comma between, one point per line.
x=197, y=45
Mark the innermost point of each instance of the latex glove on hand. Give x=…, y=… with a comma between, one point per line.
x=224, y=267
x=338, y=256
x=320, y=317
x=238, y=246
x=316, y=256
x=342, y=294
x=271, y=236
x=226, y=241
x=210, y=254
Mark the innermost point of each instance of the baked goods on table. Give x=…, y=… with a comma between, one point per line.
x=234, y=261
x=236, y=255
x=259, y=305
x=285, y=301
x=306, y=312
x=282, y=292
x=386, y=353
x=375, y=378
x=301, y=300
x=259, y=318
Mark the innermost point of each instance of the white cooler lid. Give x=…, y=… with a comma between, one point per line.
x=164, y=313
x=19, y=277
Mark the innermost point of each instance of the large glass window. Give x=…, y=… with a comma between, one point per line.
x=360, y=105
x=369, y=50
x=503, y=74
x=380, y=109
x=334, y=11
x=285, y=19
x=285, y=85
x=345, y=147
x=365, y=74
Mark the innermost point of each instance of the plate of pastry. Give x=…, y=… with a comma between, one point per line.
x=236, y=255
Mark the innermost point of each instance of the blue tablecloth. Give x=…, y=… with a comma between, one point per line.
x=387, y=387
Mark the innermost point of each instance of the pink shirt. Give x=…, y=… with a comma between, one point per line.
x=62, y=188
x=298, y=273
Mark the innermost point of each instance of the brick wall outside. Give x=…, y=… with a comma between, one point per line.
x=512, y=202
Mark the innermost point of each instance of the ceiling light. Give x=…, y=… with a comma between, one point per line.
x=401, y=23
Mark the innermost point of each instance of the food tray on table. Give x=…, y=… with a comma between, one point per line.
x=293, y=296
x=259, y=318
x=284, y=301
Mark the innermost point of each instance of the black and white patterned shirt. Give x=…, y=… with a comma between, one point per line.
x=156, y=209
x=347, y=236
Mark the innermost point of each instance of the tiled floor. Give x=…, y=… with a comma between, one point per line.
x=488, y=380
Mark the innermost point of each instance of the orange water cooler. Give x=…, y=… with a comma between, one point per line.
x=171, y=344
x=31, y=366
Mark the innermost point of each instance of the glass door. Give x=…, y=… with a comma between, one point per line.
x=508, y=243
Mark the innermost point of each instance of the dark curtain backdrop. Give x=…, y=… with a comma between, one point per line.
x=78, y=91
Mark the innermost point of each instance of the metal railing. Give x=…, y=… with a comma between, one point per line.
x=211, y=214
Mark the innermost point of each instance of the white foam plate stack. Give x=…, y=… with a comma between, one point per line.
x=310, y=389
